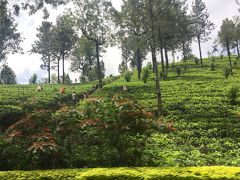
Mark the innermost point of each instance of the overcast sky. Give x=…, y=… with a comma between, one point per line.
x=25, y=65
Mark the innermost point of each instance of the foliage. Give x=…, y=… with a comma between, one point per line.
x=196, y=60
x=63, y=39
x=212, y=66
x=232, y=95
x=44, y=45
x=128, y=173
x=178, y=71
x=163, y=75
x=227, y=72
x=94, y=20
x=145, y=75
x=202, y=25
x=10, y=39
x=127, y=76
x=33, y=79
x=7, y=75
x=9, y=114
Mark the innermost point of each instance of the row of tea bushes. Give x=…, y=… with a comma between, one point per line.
x=128, y=174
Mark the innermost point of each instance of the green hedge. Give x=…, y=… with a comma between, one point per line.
x=216, y=172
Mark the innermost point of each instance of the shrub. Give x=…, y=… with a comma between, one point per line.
x=149, y=66
x=163, y=75
x=232, y=95
x=235, y=63
x=163, y=173
x=145, y=75
x=127, y=76
x=178, y=71
x=221, y=56
x=9, y=114
x=212, y=66
x=227, y=72
x=196, y=60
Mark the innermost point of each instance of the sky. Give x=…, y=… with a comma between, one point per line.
x=24, y=65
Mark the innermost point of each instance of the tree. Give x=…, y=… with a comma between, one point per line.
x=83, y=57
x=34, y=5
x=63, y=40
x=236, y=22
x=203, y=26
x=7, y=75
x=122, y=67
x=54, y=78
x=226, y=37
x=133, y=26
x=43, y=46
x=152, y=18
x=9, y=37
x=94, y=20
x=33, y=79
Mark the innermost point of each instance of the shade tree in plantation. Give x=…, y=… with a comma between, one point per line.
x=7, y=75
x=202, y=25
x=33, y=79
x=166, y=27
x=131, y=21
x=43, y=46
x=184, y=33
x=94, y=20
x=63, y=39
x=9, y=37
x=83, y=60
x=226, y=37
x=152, y=28
x=35, y=5
x=236, y=21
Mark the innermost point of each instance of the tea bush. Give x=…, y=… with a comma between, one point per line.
x=128, y=174
x=127, y=76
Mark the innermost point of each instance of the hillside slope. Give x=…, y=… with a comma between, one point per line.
x=207, y=125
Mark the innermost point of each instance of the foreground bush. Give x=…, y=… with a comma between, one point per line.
x=128, y=174
x=98, y=133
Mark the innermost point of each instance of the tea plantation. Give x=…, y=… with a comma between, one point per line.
x=116, y=128
x=207, y=123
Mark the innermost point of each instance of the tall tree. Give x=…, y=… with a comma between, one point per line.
x=226, y=37
x=34, y=5
x=7, y=75
x=203, y=26
x=152, y=18
x=83, y=58
x=43, y=46
x=133, y=24
x=236, y=22
x=63, y=39
x=9, y=37
x=94, y=20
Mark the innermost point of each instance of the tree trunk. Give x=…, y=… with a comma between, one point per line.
x=153, y=68
x=229, y=56
x=238, y=49
x=166, y=58
x=58, y=70
x=161, y=50
x=173, y=56
x=98, y=65
x=49, y=69
x=63, y=59
x=200, y=50
x=158, y=88
x=139, y=63
x=184, y=55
